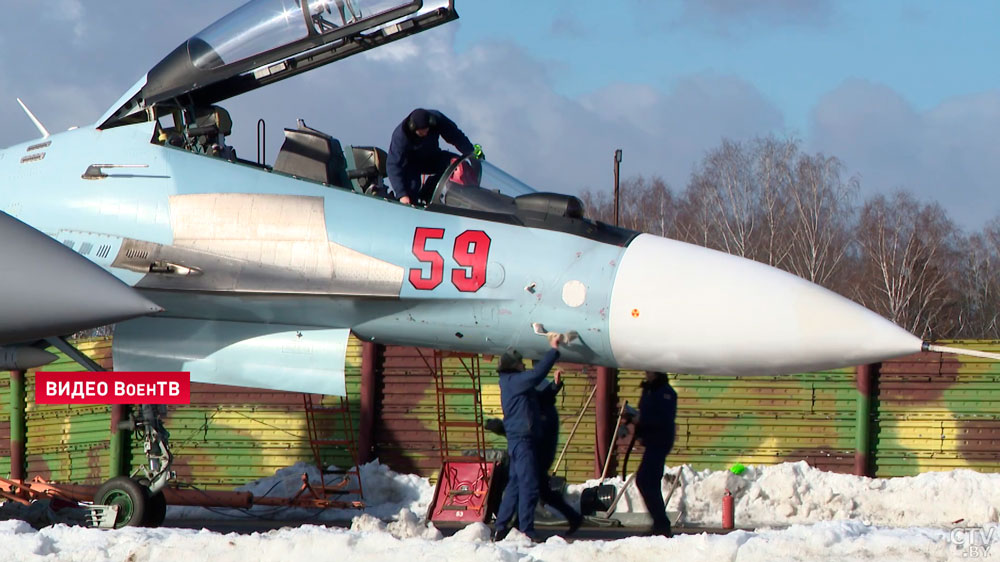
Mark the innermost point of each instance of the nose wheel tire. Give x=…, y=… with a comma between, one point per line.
x=131, y=498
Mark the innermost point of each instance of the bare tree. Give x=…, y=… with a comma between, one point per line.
x=765, y=200
x=774, y=168
x=723, y=199
x=979, y=285
x=598, y=206
x=644, y=205
x=821, y=215
x=908, y=257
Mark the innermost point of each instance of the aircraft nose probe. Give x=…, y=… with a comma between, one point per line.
x=48, y=289
x=931, y=346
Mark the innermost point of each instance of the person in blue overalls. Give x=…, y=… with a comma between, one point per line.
x=521, y=418
x=655, y=427
x=414, y=151
x=546, y=443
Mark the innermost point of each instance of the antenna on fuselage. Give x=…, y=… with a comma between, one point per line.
x=38, y=124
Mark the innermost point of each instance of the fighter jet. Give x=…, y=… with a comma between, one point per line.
x=263, y=269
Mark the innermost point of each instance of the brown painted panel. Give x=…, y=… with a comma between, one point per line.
x=406, y=428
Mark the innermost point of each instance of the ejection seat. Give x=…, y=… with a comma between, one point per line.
x=207, y=135
x=367, y=169
x=311, y=154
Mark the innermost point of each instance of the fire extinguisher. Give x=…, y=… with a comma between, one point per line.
x=727, y=510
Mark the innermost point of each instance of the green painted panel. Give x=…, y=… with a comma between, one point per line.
x=69, y=443
x=759, y=420
x=4, y=424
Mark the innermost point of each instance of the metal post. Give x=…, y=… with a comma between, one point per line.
x=603, y=417
x=618, y=161
x=18, y=427
x=865, y=377
x=370, y=354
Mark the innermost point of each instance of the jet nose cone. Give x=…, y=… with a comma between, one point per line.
x=683, y=308
x=46, y=289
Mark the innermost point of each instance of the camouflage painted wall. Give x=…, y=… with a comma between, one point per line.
x=931, y=413
x=5, y=424
x=939, y=412
x=69, y=443
x=406, y=429
x=229, y=436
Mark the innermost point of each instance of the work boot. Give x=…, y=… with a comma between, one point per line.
x=574, y=524
x=659, y=532
x=500, y=533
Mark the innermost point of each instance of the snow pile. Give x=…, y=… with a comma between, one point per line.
x=794, y=493
x=386, y=495
x=891, y=519
x=765, y=496
x=843, y=540
x=406, y=526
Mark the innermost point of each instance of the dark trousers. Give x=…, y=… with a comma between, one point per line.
x=649, y=480
x=555, y=498
x=521, y=493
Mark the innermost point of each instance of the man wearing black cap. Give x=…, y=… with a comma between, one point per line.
x=519, y=399
x=414, y=151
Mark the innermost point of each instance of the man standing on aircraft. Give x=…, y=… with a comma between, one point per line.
x=655, y=426
x=521, y=416
x=414, y=151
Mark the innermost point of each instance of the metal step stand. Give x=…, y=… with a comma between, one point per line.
x=464, y=482
x=330, y=426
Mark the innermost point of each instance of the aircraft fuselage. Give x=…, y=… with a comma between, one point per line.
x=211, y=239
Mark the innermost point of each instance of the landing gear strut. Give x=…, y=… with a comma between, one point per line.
x=140, y=498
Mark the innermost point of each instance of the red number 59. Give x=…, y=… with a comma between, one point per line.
x=471, y=251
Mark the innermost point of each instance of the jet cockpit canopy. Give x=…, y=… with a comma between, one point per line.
x=477, y=185
x=264, y=41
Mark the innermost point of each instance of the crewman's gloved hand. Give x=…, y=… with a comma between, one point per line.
x=622, y=432
x=495, y=425
x=630, y=414
x=477, y=152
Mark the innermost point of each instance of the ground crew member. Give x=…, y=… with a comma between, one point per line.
x=519, y=400
x=655, y=427
x=546, y=442
x=414, y=151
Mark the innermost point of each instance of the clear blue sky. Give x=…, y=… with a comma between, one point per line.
x=905, y=93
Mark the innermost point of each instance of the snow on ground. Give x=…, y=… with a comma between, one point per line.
x=798, y=513
x=791, y=493
x=386, y=494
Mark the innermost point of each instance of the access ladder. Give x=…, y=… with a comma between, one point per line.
x=464, y=483
x=331, y=426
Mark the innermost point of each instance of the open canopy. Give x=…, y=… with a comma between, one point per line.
x=264, y=41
